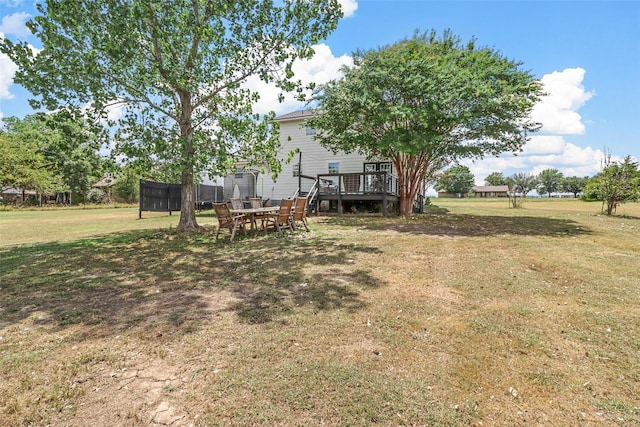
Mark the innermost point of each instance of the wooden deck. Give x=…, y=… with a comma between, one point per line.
x=338, y=190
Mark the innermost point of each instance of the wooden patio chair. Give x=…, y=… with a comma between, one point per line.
x=282, y=218
x=299, y=214
x=228, y=221
x=237, y=204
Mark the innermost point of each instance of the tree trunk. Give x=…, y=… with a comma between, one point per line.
x=187, y=205
x=410, y=172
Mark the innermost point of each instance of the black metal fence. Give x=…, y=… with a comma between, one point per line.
x=164, y=197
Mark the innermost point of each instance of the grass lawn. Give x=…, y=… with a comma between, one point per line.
x=469, y=314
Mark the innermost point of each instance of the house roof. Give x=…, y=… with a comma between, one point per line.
x=16, y=191
x=105, y=182
x=490, y=188
x=296, y=115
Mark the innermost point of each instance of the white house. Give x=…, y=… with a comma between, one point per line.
x=311, y=160
x=332, y=179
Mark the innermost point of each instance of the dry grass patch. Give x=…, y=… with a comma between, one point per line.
x=471, y=314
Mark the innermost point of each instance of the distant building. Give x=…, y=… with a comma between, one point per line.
x=490, y=191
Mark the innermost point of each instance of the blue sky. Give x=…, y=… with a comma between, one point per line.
x=587, y=53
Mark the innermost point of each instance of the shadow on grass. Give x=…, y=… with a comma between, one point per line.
x=443, y=223
x=164, y=282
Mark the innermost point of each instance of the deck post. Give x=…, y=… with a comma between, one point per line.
x=340, y=179
x=384, y=194
x=384, y=203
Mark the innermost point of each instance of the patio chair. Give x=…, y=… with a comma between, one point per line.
x=282, y=218
x=299, y=214
x=226, y=220
x=237, y=204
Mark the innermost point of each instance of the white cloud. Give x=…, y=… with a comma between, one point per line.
x=11, y=3
x=349, y=7
x=115, y=111
x=552, y=152
x=544, y=144
x=7, y=73
x=321, y=68
x=557, y=111
x=15, y=24
x=483, y=167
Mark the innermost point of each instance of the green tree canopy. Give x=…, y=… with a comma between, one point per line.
x=68, y=141
x=177, y=67
x=424, y=103
x=127, y=186
x=619, y=182
x=519, y=185
x=457, y=179
x=22, y=166
x=573, y=184
x=495, y=178
x=549, y=181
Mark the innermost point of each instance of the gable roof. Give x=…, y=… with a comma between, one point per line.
x=105, y=182
x=490, y=188
x=296, y=115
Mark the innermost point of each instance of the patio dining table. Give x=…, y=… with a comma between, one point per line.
x=252, y=213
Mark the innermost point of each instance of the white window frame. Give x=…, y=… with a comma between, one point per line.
x=337, y=164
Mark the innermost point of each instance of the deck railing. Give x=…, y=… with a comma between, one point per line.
x=358, y=183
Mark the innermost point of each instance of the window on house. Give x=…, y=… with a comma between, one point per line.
x=334, y=167
x=239, y=173
x=310, y=131
x=296, y=169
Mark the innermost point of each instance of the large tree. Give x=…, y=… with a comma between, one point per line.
x=519, y=185
x=495, y=178
x=22, y=166
x=424, y=103
x=549, y=181
x=619, y=182
x=70, y=144
x=178, y=68
x=573, y=184
x=457, y=179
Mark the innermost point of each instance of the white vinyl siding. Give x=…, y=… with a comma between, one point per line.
x=315, y=161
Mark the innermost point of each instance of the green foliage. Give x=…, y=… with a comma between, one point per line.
x=177, y=67
x=457, y=180
x=424, y=103
x=592, y=191
x=127, y=186
x=549, y=181
x=619, y=183
x=519, y=185
x=23, y=166
x=68, y=142
x=495, y=178
x=573, y=184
